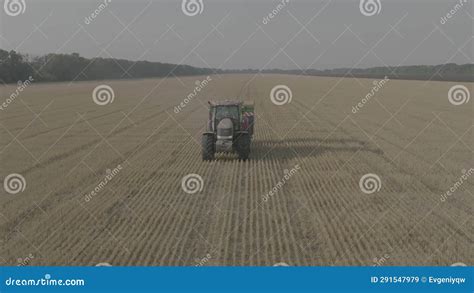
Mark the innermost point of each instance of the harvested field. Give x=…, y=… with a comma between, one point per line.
x=309, y=153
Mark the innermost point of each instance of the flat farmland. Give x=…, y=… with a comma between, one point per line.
x=334, y=178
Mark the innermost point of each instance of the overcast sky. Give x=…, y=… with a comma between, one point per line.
x=233, y=34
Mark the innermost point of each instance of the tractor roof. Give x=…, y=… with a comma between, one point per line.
x=225, y=103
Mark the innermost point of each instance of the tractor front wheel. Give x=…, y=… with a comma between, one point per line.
x=243, y=146
x=208, y=147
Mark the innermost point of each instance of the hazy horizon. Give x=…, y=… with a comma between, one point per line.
x=238, y=35
x=289, y=69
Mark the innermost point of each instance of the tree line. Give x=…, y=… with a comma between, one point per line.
x=68, y=67
x=443, y=72
x=16, y=67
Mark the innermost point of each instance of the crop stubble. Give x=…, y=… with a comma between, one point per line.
x=319, y=216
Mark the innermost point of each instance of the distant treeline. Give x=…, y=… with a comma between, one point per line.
x=68, y=67
x=72, y=67
x=444, y=72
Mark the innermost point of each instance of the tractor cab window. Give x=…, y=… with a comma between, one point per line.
x=231, y=112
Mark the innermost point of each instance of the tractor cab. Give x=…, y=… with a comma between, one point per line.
x=218, y=112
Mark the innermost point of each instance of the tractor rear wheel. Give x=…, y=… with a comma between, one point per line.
x=243, y=146
x=208, y=147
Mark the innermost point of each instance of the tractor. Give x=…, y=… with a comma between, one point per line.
x=229, y=129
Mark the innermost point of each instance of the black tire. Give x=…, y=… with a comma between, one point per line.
x=251, y=123
x=208, y=147
x=243, y=146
